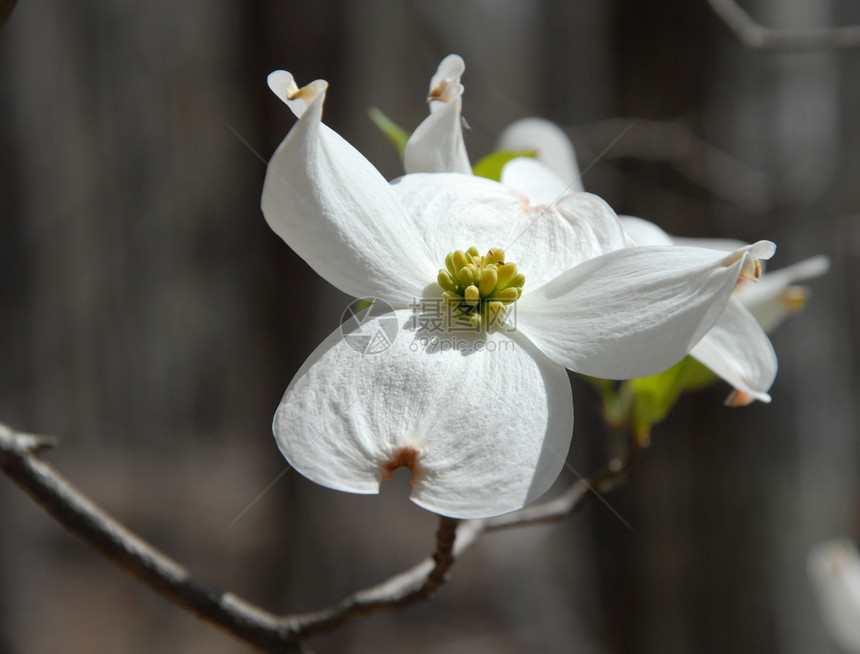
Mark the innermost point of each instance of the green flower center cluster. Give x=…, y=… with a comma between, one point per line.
x=479, y=289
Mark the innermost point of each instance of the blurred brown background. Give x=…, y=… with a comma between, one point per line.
x=150, y=318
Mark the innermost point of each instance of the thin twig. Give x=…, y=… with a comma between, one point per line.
x=151, y=567
x=567, y=502
x=241, y=619
x=245, y=621
x=757, y=36
x=415, y=585
x=674, y=143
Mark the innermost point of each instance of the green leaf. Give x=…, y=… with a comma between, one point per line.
x=396, y=134
x=699, y=376
x=491, y=165
x=654, y=396
x=651, y=398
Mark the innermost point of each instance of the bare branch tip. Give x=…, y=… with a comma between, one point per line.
x=36, y=444
x=758, y=37
x=22, y=443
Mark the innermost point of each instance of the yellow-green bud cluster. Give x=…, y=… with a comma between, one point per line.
x=479, y=288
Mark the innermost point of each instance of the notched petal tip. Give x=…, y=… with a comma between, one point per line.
x=751, y=254
x=445, y=84
x=762, y=249
x=744, y=398
x=445, y=92
x=403, y=457
x=283, y=85
x=738, y=398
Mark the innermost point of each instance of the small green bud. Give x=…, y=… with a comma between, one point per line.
x=488, y=281
x=495, y=255
x=449, y=264
x=506, y=272
x=466, y=276
x=472, y=295
x=507, y=295
x=517, y=281
x=446, y=281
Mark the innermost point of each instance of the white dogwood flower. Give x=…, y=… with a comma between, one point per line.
x=482, y=418
x=437, y=146
x=777, y=295
x=736, y=348
x=560, y=172
x=834, y=568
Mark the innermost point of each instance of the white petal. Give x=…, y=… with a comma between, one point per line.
x=550, y=142
x=486, y=423
x=644, y=232
x=455, y=212
x=297, y=99
x=337, y=212
x=737, y=349
x=773, y=298
x=540, y=184
x=834, y=568
x=726, y=244
x=448, y=74
x=595, y=222
x=633, y=312
x=436, y=145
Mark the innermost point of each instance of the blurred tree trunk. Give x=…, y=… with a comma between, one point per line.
x=728, y=502
x=147, y=316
